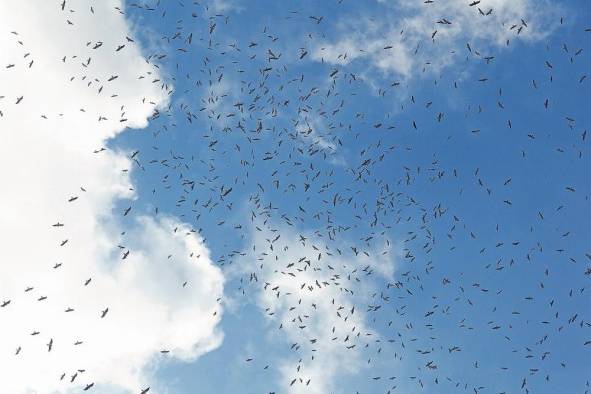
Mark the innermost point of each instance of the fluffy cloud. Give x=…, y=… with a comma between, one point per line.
x=414, y=34
x=65, y=90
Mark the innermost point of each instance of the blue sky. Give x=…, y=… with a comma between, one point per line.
x=424, y=198
x=538, y=182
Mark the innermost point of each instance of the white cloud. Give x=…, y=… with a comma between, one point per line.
x=225, y=6
x=46, y=145
x=314, y=132
x=314, y=294
x=407, y=30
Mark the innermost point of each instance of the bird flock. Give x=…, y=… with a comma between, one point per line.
x=417, y=232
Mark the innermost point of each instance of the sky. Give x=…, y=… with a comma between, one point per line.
x=231, y=196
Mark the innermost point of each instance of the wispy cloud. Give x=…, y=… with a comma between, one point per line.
x=311, y=295
x=415, y=35
x=225, y=6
